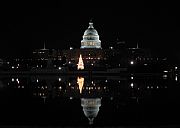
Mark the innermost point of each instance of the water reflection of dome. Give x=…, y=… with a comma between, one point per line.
x=90, y=107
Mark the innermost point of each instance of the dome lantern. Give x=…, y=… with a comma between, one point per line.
x=90, y=25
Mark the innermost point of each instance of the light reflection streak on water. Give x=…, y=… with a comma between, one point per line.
x=131, y=91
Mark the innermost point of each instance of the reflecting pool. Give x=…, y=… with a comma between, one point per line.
x=42, y=100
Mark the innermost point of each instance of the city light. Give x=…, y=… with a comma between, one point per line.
x=71, y=48
x=176, y=78
x=17, y=80
x=131, y=62
x=175, y=67
x=80, y=82
x=80, y=63
x=165, y=76
x=132, y=85
x=111, y=47
x=12, y=79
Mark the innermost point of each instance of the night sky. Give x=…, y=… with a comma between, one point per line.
x=25, y=26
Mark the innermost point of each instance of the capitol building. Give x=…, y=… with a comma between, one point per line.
x=90, y=50
x=92, y=56
x=90, y=38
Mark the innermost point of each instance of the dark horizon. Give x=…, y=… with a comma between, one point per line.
x=25, y=28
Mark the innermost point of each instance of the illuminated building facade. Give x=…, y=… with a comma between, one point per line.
x=47, y=58
x=91, y=50
x=94, y=57
x=90, y=38
x=42, y=54
x=117, y=57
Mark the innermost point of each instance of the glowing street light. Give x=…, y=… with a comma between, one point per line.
x=131, y=62
x=71, y=48
x=176, y=78
x=132, y=85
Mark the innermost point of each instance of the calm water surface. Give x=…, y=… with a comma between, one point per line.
x=84, y=101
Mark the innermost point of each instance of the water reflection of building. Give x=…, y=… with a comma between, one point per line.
x=90, y=108
x=56, y=87
x=48, y=88
x=90, y=104
x=80, y=81
x=131, y=88
x=79, y=87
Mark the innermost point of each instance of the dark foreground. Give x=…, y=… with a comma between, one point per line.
x=169, y=126
x=56, y=101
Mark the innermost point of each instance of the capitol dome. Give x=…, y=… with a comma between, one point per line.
x=90, y=38
x=91, y=30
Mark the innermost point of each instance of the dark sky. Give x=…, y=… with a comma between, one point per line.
x=26, y=25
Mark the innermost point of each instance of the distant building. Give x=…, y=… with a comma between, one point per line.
x=47, y=58
x=42, y=54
